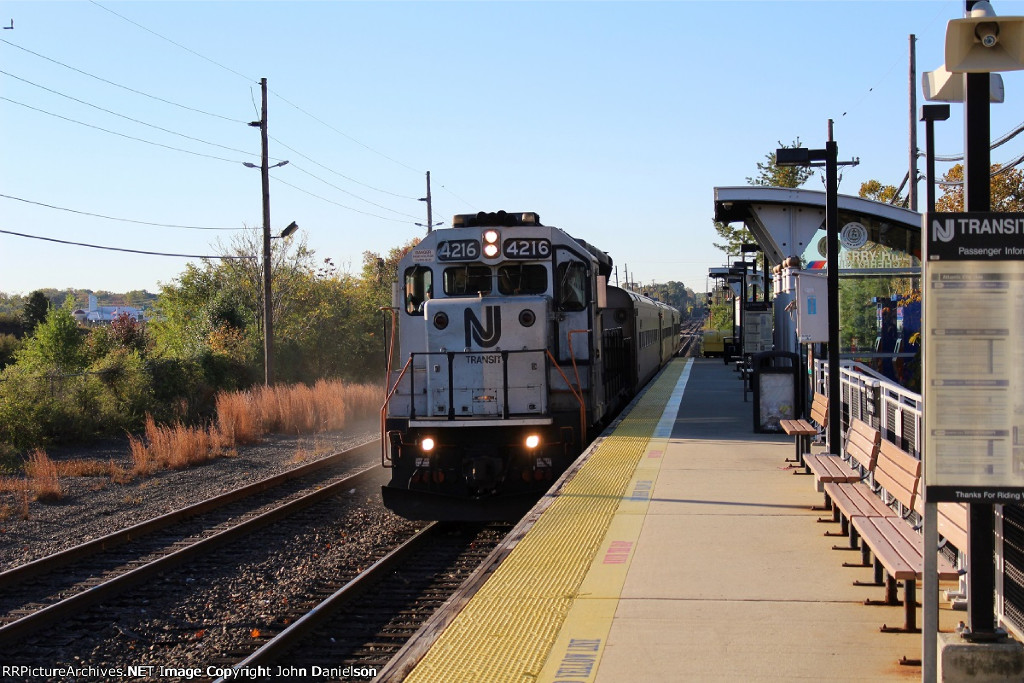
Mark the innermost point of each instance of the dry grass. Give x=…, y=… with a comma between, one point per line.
x=295, y=409
x=243, y=418
x=43, y=479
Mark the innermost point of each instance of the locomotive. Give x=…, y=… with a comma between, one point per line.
x=513, y=352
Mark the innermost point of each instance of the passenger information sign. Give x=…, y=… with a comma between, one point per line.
x=973, y=388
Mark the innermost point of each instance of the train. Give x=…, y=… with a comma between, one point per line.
x=507, y=352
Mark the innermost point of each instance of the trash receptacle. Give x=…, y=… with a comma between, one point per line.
x=775, y=383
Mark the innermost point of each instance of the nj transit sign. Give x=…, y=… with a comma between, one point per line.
x=975, y=236
x=973, y=369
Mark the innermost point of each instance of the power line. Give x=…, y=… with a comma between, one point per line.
x=330, y=201
x=178, y=45
x=127, y=118
x=342, y=175
x=113, y=218
x=123, y=87
x=250, y=80
x=341, y=189
x=123, y=135
x=130, y=251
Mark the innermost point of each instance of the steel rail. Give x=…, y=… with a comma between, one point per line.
x=283, y=641
x=63, y=558
x=52, y=614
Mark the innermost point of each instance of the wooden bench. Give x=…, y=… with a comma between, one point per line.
x=858, y=458
x=803, y=430
x=896, y=546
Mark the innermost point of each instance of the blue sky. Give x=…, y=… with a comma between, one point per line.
x=612, y=120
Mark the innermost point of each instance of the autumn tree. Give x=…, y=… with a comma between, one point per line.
x=1007, y=190
x=875, y=190
x=769, y=174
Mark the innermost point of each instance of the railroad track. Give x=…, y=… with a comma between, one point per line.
x=359, y=627
x=51, y=589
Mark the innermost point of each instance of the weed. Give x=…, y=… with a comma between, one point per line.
x=43, y=478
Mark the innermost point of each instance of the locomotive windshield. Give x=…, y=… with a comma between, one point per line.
x=465, y=280
x=522, y=278
x=419, y=286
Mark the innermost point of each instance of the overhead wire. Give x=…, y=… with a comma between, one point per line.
x=341, y=189
x=331, y=201
x=113, y=218
x=271, y=90
x=123, y=87
x=128, y=118
x=123, y=135
x=130, y=251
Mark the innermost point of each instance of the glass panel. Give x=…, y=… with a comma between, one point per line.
x=880, y=325
x=466, y=280
x=523, y=279
x=419, y=287
x=572, y=286
x=869, y=243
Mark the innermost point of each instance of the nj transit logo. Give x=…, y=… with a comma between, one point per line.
x=485, y=334
x=943, y=233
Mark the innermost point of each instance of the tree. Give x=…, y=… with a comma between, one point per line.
x=770, y=174
x=57, y=343
x=1007, y=190
x=889, y=194
x=35, y=310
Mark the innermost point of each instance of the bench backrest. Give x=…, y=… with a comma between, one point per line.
x=899, y=473
x=819, y=409
x=952, y=522
x=862, y=444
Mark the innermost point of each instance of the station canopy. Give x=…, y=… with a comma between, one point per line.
x=874, y=237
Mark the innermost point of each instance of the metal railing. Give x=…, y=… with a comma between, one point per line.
x=889, y=407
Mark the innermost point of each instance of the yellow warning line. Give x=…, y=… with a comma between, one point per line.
x=507, y=631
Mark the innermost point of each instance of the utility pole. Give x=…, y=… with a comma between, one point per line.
x=913, y=123
x=268, y=302
x=430, y=208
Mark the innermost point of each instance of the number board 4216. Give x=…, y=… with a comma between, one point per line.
x=458, y=250
x=528, y=248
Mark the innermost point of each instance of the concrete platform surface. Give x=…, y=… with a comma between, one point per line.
x=709, y=566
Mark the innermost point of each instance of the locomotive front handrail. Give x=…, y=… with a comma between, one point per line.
x=383, y=413
x=578, y=395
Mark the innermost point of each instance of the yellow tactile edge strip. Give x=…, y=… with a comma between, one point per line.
x=508, y=629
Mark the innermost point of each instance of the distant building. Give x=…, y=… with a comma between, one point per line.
x=99, y=315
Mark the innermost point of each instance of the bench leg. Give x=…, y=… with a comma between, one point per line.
x=865, y=557
x=853, y=535
x=844, y=524
x=909, y=610
x=798, y=440
x=879, y=581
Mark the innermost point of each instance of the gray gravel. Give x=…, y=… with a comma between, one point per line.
x=203, y=615
x=94, y=506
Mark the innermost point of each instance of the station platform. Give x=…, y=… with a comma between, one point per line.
x=681, y=547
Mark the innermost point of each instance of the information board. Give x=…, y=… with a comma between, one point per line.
x=973, y=390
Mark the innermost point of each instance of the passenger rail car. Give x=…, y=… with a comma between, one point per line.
x=509, y=351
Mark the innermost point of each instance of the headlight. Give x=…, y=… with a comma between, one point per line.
x=532, y=441
x=491, y=239
x=427, y=445
x=441, y=321
x=527, y=317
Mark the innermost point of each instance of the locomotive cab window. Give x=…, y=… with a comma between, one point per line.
x=419, y=287
x=572, y=286
x=467, y=280
x=523, y=278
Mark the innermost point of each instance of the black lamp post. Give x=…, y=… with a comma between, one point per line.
x=828, y=157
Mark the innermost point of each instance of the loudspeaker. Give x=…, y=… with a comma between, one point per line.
x=942, y=86
x=984, y=42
